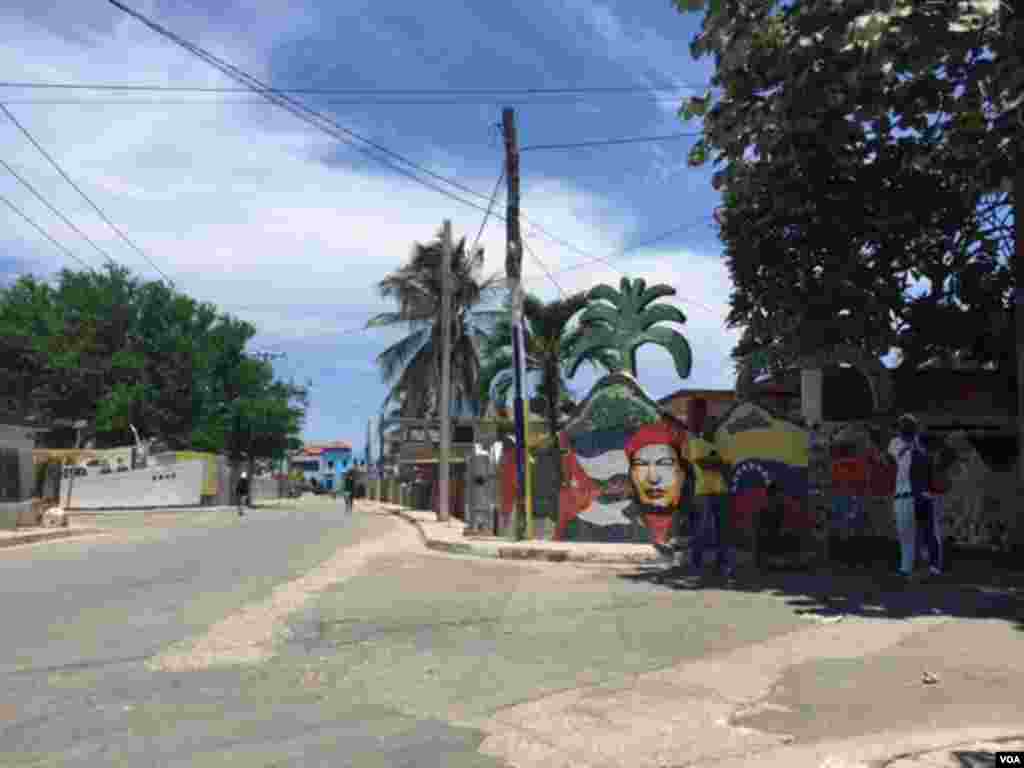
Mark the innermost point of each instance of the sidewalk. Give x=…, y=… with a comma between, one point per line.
x=450, y=537
x=35, y=534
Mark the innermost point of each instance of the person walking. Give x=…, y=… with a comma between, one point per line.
x=903, y=449
x=350, y=491
x=242, y=492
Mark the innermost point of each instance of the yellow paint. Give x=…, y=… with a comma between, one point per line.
x=780, y=442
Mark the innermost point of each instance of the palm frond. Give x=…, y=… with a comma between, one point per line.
x=392, y=359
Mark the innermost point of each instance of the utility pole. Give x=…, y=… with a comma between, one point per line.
x=513, y=269
x=444, y=399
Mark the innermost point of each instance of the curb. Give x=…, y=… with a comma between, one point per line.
x=523, y=552
x=56, y=533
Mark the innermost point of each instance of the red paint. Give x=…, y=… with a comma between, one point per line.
x=659, y=525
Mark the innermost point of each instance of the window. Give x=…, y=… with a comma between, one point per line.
x=330, y=465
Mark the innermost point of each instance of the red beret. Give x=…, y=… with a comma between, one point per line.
x=659, y=433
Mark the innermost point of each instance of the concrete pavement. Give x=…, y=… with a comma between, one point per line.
x=299, y=635
x=450, y=537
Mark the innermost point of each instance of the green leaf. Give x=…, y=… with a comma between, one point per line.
x=698, y=154
x=669, y=339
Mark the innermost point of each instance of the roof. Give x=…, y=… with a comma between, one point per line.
x=724, y=394
x=315, y=449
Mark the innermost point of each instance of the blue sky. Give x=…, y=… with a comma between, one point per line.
x=246, y=206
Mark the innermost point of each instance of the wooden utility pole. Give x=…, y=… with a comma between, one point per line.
x=513, y=269
x=444, y=399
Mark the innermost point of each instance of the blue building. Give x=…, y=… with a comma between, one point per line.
x=324, y=462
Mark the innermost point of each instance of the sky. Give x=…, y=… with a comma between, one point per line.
x=246, y=206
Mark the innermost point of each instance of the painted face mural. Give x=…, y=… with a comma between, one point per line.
x=657, y=475
x=623, y=485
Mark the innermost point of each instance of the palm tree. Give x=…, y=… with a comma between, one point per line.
x=411, y=366
x=550, y=340
x=623, y=320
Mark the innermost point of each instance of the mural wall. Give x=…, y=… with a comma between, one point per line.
x=625, y=470
x=627, y=466
x=761, y=447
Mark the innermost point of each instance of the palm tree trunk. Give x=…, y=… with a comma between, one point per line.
x=552, y=387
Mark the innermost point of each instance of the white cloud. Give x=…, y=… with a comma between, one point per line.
x=235, y=203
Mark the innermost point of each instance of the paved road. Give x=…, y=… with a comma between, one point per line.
x=382, y=653
x=391, y=666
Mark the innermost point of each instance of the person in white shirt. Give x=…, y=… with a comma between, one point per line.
x=901, y=450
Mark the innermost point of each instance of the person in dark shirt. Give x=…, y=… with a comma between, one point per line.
x=242, y=493
x=350, y=490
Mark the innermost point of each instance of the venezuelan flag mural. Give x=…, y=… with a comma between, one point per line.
x=762, y=447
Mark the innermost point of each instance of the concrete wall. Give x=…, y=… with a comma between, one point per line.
x=176, y=485
x=265, y=488
x=16, y=475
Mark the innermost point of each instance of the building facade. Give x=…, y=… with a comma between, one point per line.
x=323, y=462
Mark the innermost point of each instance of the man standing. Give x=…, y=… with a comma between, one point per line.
x=242, y=492
x=350, y=490
x=902, y=450
x=711, y=505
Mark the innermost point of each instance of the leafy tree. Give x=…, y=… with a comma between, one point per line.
x=152, y=358
x=621, y=321
x=861, y=145
x=551, y=337
x=411, y=366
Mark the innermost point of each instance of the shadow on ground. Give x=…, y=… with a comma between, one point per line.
x=974, y=591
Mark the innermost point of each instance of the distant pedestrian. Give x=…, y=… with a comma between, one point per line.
x=903, y=450
x=242, y=493
x=350, y=491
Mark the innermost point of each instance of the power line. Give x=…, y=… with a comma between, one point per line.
x=490, y=206
x=610, y=142
x=332, y=128
x=361, y=102
x=46, y=234
x=543, y=266
x=635, y=246
x=347, y=91
x=308, y=115
x=60, y=215
x=79, y=190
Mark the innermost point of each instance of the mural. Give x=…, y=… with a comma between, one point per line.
x=624, y=471
x=761, y=447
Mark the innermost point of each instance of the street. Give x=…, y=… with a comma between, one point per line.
x=300, y=636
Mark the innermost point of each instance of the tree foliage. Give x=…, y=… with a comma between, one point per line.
x=551, y=338
x=864, y=151
x=411, y=366
x=114, y=350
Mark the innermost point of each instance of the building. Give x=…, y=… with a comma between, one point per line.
x=718, y=402
x=323, y=462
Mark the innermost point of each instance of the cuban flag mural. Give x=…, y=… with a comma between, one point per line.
x=761, y=447
x=624, y=485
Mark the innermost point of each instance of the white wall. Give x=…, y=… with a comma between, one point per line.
x=176, y=485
